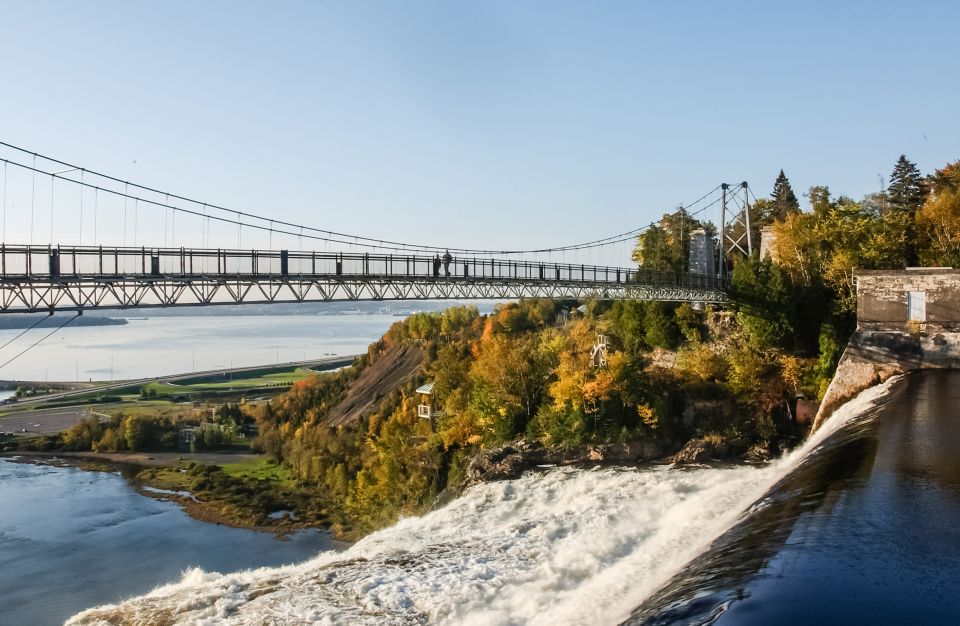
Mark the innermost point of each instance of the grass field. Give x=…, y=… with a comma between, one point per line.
x=261, y=469
x=251, y=380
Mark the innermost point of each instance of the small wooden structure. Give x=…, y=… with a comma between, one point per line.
x=598, y=354
x=425, y=409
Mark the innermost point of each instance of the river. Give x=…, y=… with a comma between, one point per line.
x=158, y=346
x=71, y=539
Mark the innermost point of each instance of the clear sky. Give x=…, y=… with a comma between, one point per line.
x=489, y=124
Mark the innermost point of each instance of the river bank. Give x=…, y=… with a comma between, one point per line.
x=235, y=489
x=228, y=488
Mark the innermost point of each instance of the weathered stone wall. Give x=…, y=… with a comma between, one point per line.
x=882, y=299
x=886, y=342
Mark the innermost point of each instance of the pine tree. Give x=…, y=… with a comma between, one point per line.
x=784, y=200
x=906, y=190
x=906, y=194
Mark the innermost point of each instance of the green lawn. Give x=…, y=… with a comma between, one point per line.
x=258, y=379
x=261, y=469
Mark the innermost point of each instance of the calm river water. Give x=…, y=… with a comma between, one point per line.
x=158, y=346
x=71, y=539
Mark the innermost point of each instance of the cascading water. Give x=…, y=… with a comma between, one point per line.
x=563, y=546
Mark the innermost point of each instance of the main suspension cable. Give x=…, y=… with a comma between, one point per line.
x=333, y=236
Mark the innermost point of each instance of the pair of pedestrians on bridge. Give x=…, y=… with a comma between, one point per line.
x=447, y=259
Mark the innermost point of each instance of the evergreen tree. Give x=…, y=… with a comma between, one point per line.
x=906, y=191
x=784, y=200
x=906, y=194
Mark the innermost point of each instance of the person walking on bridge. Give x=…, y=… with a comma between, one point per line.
x=447, y=259
x=436, y=266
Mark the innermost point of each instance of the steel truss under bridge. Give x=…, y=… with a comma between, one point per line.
x=48, y=279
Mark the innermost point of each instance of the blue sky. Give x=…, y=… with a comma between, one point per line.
x=490, y=124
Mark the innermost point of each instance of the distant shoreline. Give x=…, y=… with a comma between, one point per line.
x=52, y=321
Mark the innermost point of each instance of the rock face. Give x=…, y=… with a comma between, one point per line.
x=395, y=366
x=510, y=461
x=872, y=357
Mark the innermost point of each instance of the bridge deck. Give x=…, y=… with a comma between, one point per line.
x=35, y=278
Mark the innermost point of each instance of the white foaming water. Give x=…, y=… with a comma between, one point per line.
x=561, y=547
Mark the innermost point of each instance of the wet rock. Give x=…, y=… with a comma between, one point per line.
x=695, y=451
x=759, y=453
x=510, y=461
x=710, y=449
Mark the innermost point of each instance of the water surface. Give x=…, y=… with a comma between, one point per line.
x=159, y=346
x=71, y=539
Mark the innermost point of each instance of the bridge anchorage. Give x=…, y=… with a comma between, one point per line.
x=75, y=278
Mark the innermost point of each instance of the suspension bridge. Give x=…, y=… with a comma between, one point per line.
x=65, y=274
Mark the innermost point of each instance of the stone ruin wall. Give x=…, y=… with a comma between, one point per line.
x=887, y=342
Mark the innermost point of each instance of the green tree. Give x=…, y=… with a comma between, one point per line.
x=784, y=200
x=660, y=325
x=763, y=295
x=665, y=246
x=906, y=191
x=819, y=197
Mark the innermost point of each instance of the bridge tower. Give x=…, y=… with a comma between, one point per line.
x=735, y=235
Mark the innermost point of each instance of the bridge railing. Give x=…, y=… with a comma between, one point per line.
x=62, y=263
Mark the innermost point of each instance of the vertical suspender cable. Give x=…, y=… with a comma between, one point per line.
x=96, y=196
x=81, y=211
x=53, y=179
x=125, y=216
x=4, y=201
x=166, y=214
x=33, y=194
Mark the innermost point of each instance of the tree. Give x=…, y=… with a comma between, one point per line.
x=763, y=295
x=819, y=196
x=906, y=194
x=939, y=218
x=906, y=191
x=134, y=432
x=784, y=200
x=665, y=246
x=660, y=326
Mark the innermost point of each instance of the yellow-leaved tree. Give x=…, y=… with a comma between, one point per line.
x=938, y=220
